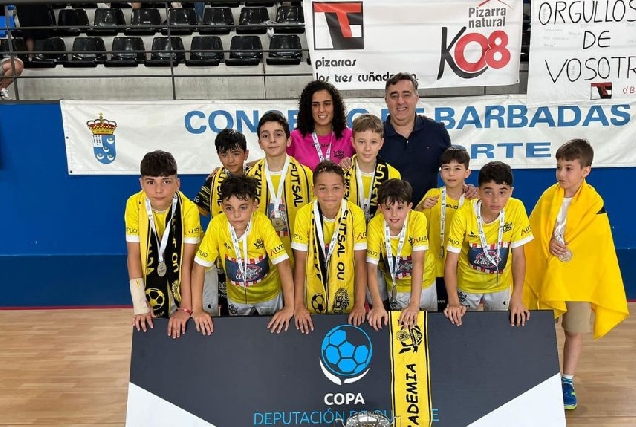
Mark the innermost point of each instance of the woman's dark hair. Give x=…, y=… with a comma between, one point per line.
x=305, y=120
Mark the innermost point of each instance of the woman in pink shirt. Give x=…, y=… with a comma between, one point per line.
x=321, y=131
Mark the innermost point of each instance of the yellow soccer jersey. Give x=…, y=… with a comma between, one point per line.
x=415, y=241
x=135, y=208
x=433, y=215
x=367, y=182
x=475, y=272
x=264, y=251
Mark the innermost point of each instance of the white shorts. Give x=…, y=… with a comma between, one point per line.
x=382, y=287
x=211, y=292
x=496, y=301
x=428, y=300
x=265, y=308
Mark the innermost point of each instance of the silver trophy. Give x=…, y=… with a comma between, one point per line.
x=367, y=419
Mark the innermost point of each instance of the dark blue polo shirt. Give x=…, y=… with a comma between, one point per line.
x=416, y=157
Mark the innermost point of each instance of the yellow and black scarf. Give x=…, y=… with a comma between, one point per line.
x=162, y=292
x=331, y=289
x=352, y=193
x=296, y=193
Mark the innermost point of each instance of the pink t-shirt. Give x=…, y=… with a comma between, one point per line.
x=303, y=150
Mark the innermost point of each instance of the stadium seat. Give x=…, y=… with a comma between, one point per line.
x=47, y=60
x=127, y=52
x=264, y=3
x=87, y=52
x=293, y=53
x=217, y=20
x=105, y=20
x=253, y=20
x=144, y=22
x=71, y=18
x=223, y=3
x=290, y=20
x=245, y=50
x=181, y=22
x=206, y=51
x=85, y=5
x=166, y=50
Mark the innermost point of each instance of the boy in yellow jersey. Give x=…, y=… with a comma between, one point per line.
x=367, y=173
x=162, y=233
x=439, y=205
x=284, y=184
x=250, y=248
x=330, y=245
x=397, y=236
x=485, y=259
x=231, y=147
x=572, y=264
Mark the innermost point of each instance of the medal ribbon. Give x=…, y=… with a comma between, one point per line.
x=363, y=200
x=394, y=262
x=482, y=235
x=164, y=239
x=442, y=218
x=327, y=155
x=277, y=196
x=241, y=261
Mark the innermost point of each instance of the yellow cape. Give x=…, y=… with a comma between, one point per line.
x=593, y=274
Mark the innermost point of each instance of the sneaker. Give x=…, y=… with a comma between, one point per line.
x=4, y=94
x=569, y=396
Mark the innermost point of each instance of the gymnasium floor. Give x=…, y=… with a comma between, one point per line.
x=69, y=368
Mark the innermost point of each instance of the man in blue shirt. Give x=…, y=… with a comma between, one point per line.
x=412, y=143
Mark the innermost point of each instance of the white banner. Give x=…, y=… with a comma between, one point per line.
x=445, y=43
x=490, y=127
x=582, y=50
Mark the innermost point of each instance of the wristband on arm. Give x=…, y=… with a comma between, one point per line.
x=138, y=293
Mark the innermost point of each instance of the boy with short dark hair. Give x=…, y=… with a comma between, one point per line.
x=231, y=147
x=284, y=184
x=572, y=264
x=250, y=248
x=330, y=244
x=162, y=233
x=397, y=235
x=485, y=259
x=439, y=205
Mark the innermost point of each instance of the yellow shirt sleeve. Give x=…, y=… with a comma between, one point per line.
x=458, y=228
x=208, y=251
x=417, y=232
x=192, y=223
x=375, y=239
x=521, y=232
x=302, y=228
x=394, y=173
x=131, y=218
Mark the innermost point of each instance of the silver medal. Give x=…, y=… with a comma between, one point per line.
x=567, y=256
x=162, y=269
x=278, y=223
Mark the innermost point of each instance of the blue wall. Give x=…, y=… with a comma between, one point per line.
x=62, y=239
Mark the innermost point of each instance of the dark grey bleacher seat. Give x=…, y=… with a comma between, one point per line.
x=252, y=20
x=181, y=21
x=292, y=53
x=290, y=20
x=87, y=52
x=206, y=51
x=104, y=21
x=166, y=50
x=127, y=52
x=223, y=3
x=71, y=17
x=217, y=20
x=148, y=18
x=245, y=50
x=48, y=60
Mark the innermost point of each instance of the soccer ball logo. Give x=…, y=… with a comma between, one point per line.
x=318, y=303
x=345, y=354
x=155, y=297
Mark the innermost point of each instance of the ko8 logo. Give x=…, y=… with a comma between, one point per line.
x=494, y=53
